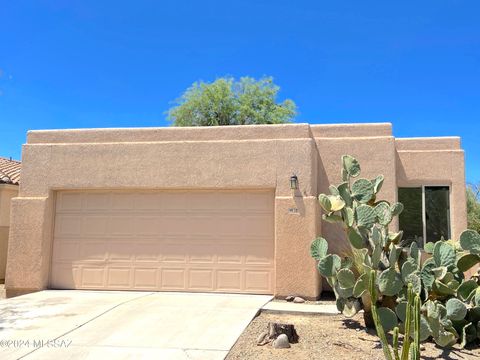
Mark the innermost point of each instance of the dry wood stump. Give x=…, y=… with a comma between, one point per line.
x=275, y=329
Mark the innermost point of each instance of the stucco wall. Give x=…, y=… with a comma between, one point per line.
x=3, y=250
x=248, y=157
x=7, y=192
x=438, y=161
x=374, y=148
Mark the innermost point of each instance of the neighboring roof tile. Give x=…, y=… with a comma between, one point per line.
x=9, y=171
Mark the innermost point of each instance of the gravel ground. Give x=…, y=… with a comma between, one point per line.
x=327, y=337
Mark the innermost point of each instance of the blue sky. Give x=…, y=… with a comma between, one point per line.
x=75, y=64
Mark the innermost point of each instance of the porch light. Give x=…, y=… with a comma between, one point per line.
x=294, y=182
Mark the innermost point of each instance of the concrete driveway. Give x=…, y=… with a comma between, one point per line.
x=70, y=324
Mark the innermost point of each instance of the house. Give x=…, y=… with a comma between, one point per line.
x=9, y=178
x=210, y=209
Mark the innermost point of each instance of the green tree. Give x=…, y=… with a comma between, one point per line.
x=473, y=207
x=227, y=101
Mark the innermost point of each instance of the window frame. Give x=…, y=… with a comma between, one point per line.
x=424, y=213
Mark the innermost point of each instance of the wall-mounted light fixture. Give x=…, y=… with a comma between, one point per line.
x=294, y=182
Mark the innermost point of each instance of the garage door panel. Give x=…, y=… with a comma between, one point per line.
x=145, y=278
x=122, y=201
x=204, y=202
x=121, y=226
x=174, y=202
x=95, y=250
x=259, y=225
x=200, y=279
x=66, y=275
x=67, y=251
x=92, y=277
x=174, y=225
x=229, y=258
x=95, y=225
x=256, y=280
x=119, y=277
x=258, y=202
x=173, y=278
x=96, y=202
x=147, y=225
x=230, y=201
x=202, y=225
x=148, y=201
x=201, y=255
x=219, y=241
x=68, y=226
x=174, y=253
x=121, y=251
x=229, y=280
x=69, y=202
x=147, y=252
x=259, y=257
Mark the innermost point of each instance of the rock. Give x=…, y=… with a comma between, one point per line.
x=281, y=342
x=262, y=339
x=276, y=329
x=298, y=300
x=290, y=298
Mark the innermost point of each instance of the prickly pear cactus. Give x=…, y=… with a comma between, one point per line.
x=449, y=303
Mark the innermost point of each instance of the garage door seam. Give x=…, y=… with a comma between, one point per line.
x=90, y=320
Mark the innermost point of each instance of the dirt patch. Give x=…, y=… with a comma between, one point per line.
x=327, y=337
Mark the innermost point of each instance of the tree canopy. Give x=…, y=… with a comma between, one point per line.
x=227, y=101
x=473, y=207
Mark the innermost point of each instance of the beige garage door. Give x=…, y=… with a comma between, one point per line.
x=212, y=241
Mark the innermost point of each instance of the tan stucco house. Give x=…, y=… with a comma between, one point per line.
x=210, y=209
x=9, y=179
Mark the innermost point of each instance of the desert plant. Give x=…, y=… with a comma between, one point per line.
x=473, y=206
x=412, y=314
x=448, y=305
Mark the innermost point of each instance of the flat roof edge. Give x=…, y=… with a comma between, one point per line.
x=351, y=130
x=239, y=132
x=152, y=134
x=428, y=143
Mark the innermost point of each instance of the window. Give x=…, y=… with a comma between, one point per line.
x=411, y=218
x=426, y=214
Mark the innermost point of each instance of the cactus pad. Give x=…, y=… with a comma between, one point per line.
x=390, y=282
x=319, y=248
x=346, y=278
x=362, y=190
x=444, y=254
x=467, y=261
x=456, y=310
x=365, y=215
x=388, y=319
x=383, y=212
x=350, y=166
x=355, y=238
x=329, y=265
x=470, y=240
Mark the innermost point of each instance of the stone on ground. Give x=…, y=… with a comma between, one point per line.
x=281, y=342
x=298, y=300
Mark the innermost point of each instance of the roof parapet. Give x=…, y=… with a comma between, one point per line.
x=351, y=130
x=428, y=143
